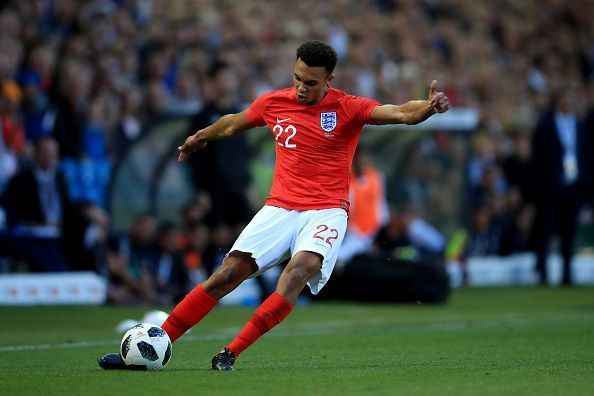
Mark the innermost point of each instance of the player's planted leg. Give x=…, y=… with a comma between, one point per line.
x=223, y=361
x=273, y=310
x=198, y=303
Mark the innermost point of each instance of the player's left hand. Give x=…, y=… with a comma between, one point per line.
x=437, y=100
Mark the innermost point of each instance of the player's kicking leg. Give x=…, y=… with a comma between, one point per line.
x=197, y=304
x=273, y=310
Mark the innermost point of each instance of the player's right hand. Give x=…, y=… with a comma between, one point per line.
x=191, y=144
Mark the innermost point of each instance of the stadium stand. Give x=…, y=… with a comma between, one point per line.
x=99, y=75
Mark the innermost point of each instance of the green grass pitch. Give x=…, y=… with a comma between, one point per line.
x=508, y=341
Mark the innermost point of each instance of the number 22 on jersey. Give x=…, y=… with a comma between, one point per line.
x=287, y=133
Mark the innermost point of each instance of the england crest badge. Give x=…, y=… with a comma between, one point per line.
x=328, y=121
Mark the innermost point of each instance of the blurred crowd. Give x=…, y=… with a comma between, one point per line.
x=81, y=81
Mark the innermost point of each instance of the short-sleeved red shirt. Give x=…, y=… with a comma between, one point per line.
x=315, y=146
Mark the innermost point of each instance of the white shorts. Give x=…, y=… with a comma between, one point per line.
x=276, y=234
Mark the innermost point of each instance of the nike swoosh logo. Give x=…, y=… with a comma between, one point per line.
x=283, y=120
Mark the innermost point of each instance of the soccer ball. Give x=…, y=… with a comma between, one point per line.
x=147, y=346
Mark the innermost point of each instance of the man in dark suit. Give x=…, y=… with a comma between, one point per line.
x=563, y=177
x=37, y=206
x=227, y=179
x=589, y=121
x=42, y=220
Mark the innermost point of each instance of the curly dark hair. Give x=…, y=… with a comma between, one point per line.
x=317, y=53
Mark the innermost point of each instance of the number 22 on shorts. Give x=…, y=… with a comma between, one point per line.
x=325, y=234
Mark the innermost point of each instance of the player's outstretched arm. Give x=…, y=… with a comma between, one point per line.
x=225, y=127
x=412, y=112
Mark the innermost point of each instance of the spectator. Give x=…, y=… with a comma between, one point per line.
x=196, y=241
x=130, y=258
x=484, y=238
x=196, y=211
x=482, y=158
x=516, y=228
x=369, y=208
x=129, y=126
x=75, y=79
x=408, y=231
x=589, y=123
x=88, y=175
x=41, y=217
x=562, y=156
x=186, y=98
x=517, y=167
x=157, y=102
x=169, y=271
x=492, y=185
x=227, y=180
x=37, y=80
x=12, y=136
x=13, y=132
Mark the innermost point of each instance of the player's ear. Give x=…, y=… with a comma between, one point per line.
x=330, y=78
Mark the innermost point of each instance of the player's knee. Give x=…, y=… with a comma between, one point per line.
x=297, y=275
x=304, y=268
x=232, y=272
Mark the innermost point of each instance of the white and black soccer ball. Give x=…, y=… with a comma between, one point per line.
x=147, y=346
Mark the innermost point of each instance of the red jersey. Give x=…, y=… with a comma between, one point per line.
x=315, y=146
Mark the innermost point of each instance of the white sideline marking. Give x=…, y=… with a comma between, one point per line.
x=313, y=329
x=61, y=345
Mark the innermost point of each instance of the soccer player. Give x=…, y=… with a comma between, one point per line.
x=316, y=129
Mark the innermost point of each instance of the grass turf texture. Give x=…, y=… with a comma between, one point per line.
x=529, y=341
